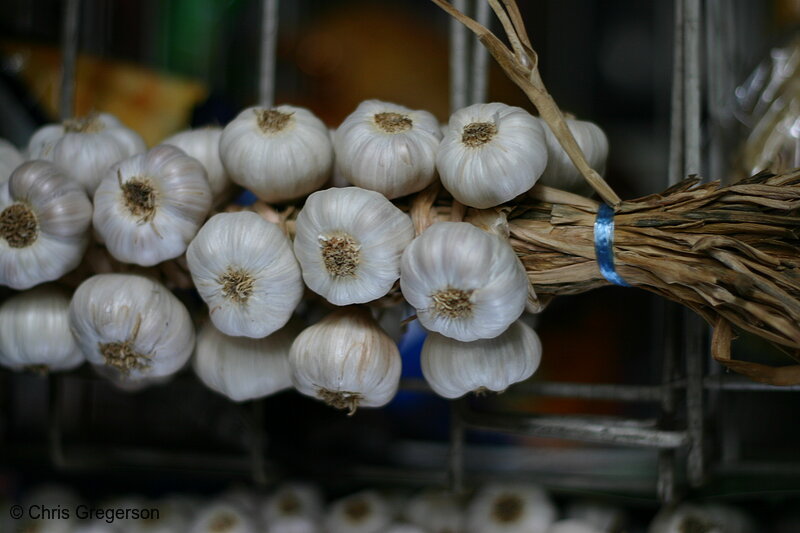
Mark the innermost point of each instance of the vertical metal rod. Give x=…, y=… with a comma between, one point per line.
x=676, y=120
x=54, y=430
x=456, y=454
x=458, y=60
x=692, y=97
x=480, y=58
x=69, y=58
x=258, y=444
x=269, y=41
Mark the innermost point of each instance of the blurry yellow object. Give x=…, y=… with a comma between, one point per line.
x=153, y=104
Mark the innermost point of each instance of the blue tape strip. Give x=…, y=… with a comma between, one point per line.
x=604, y=245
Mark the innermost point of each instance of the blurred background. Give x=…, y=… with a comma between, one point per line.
x=164, y=65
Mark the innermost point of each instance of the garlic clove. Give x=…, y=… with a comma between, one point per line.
x=387, y=148
x=454, y=368
x=510, y=508
x=346, y=360
x=241, y=368
x=490, y=154
x=10, y=159
x=131, y=325
x=349, y=242
x=561, y=172
x=148, y=207
x=364, y=512
x=464, y=283
x=44, y=222
x=279, y=154
x=245, y=270
x=203, y=145
x=35, y=334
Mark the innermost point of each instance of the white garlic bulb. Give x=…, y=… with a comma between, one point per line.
x=10, y=159
x=148, y=207
x=346, y=360
x=364, y=512
x=241, y=368
x=349, y=242
x=453, y=368
x=85, y=148
x=223, y=517
x=131, y=324
x=436, y=512
x=44, y=222
x=293, y=500
x=510, y=508
x=34, y=331
x=387, y=148
x=203, y=145
x=464, y=283
x=293, y=524
x=561, y=172
x=490, y=154
x=279, y=154
x=572, y=525
x=244, y=269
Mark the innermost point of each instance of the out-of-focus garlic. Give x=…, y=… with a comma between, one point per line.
x=280, y=153
x=705, y=518
x=464, y=283
x=387, y=148
x=572, y=525
x=293, y=524
x=132, y=325
x=603, y=517
x=85, y=148
x=404, y=528
x=223, y=517
x=490, y=154
x=203, y=145
x=510, y=508
x=436, y=512
x=561, y=172
x=245, y=270
x=346, y=360
x=241, y=368
x=34, y=332
x=364, y=512
x=291, y=500
x=10, y=159
x=349, y=242
x=149, y=207
x=44, y=222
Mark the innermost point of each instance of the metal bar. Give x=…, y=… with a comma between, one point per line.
x=692, y=96
x=258, y=445
x=269, y=39
x=591, y=429
x=593, y=391
x=458, y=60
x=479, y=83
x=456, y=451
x=676, y=120
x=55, y=436
x=69, y=58
x=734, y=384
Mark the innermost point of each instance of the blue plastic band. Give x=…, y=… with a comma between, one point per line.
x=604, y=245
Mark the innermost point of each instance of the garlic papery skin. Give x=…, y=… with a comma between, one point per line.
x=223, y=517
x=35, y=334
x=490, y=154
x=203, y=145
x=510, y=508
x=364, y=512
x=279, y=154
x=10, y=159
x=44, y=223
x=561, y=172
x=241, y=368
x=149, y=206
x=453, y=368
x=132, y=325
x=293, y=500
x=464, y=283
x=346, y=360
x=349, y=242
x=436, y=512
x=245, y=270
x=387, y=148
x=85, y=148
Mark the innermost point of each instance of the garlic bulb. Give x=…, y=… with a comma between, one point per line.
x=241, y=368
x=490, y=154
x=280, y=153
x=34, y=332
x=10, y=159
x=203, y=145
x=561, y=171
x=132, y=325
x=349, y=242
x=454, y=368
x=510, y=509
x=292, y=500
x=364, y=512
x=223, y=517
x=44, y=222
x=293, y=524
x=464, y=283
x=346, y=360
x=603, y=517
x=387, y=148
x=436, y=512
x=705, y=518
x=572, y=526
x=148, y=207
x=85, y=148
x=244, y=269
